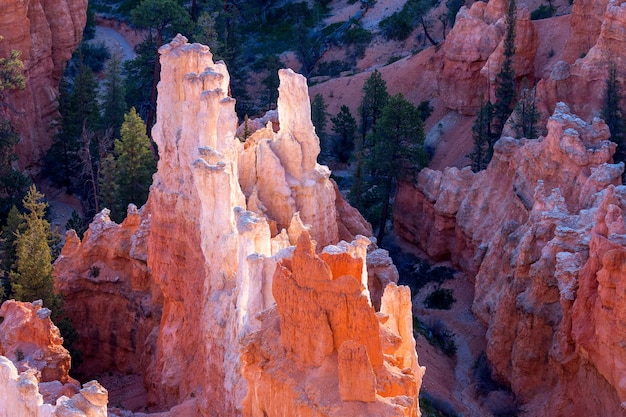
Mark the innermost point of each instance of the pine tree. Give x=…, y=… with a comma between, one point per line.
x=165, y=18
x=482, y=136
x=135, y=161
x=107, y=185
x=398, y=152
x=526, y=115
x=114, y=100
x=13, y=184
x=318, y=116
x=32, y=278
x=505, y=79
x=613, y=116
x=375, y=97
x=344, y=126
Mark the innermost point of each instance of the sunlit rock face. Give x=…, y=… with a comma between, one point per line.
x=46, y=33
x=191, y=275
x=34, y=365
x=365, y=366
x=542, y=229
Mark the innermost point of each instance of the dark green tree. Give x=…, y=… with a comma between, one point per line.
x=482, y=136
x=613, y=115
x=270, y=81
x=398, y=153
x=318, y=116
x=505, y=93
x=76, y=223
x=107, y=185
x=32, y=278
x=134, y=163
x=163, y=19
x=80, y=112
x=114, y=100
x=375, y=97
x=13, y=184
x=344, y=127
x=527, y=115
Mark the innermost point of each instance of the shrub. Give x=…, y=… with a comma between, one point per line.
x=437, y=335
x=435, y=407
x=94, y=271
x=441, y=299
x=542, y=12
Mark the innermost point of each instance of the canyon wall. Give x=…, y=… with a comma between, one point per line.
x=182, y=282
x=46, y=33
x=542, y=230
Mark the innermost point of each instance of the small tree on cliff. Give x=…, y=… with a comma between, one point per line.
x=11, y=76
x=398, y=153
x=613, y=116
x=505, y=79
x=32, y=278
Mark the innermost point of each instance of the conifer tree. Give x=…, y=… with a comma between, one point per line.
x=526, y=115
x=114, y=100
x=13, y=184
x=318, y=116
x=375, y=97
x=505, y=79
x=32, y=278
x=613, y=116
x=132, y=168
x=398, y=153
x=344, y=126
x=482, y=137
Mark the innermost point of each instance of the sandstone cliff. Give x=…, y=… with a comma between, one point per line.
x=543, y=232
x=46, y=33
x=179, y=284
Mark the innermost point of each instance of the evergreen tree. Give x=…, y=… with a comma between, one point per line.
x=114, y=100
x=134, y=161
x=271, y=81
x=482, y=136
x=375, y=97
x=11, y=76
x=318, y=116
x=344, y=126
x=32, y=278
x=107, y=184
x=526, y=115
x=13, y=184
x=165, y=18
x=80, y=112
x=398, y=153
x=505, y=79
x=613, y=116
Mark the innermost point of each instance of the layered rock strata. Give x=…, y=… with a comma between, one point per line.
x=46, y=33
x=196, y=265
x=542, y=229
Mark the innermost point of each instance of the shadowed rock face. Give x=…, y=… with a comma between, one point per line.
x=46, y=33
x=181, y=282
x=542, y=229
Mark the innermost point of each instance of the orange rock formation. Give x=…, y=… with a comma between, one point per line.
x=34, y=365
x=46, y=33
x=181, y=282
x=542, y=229
x=363, y=366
